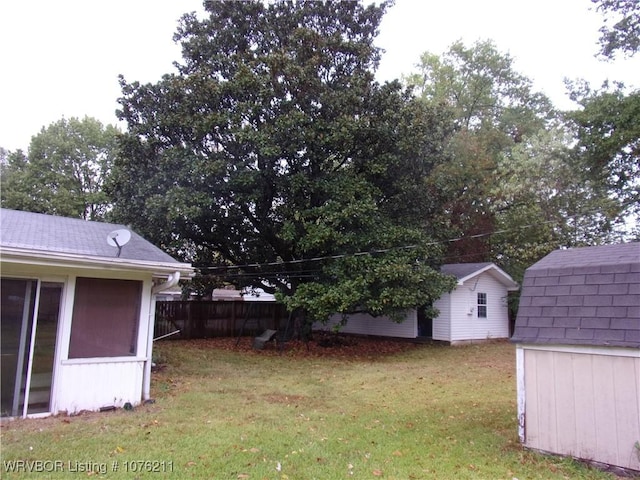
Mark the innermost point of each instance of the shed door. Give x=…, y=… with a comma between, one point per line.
x=425, y=323
x=30, y=310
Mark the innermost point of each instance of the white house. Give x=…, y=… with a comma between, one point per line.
x=578, y=355
x=475, y=310
x=77, y=313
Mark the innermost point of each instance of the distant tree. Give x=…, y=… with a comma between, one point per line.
x=607, y=127
x=543, y=199
x=495, y=108
x=482, y=87
x=63, y=171
x=624, y=35
x=521, y=181
x=15, y=192
x=273, y=149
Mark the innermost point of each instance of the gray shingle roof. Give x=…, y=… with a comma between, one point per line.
x=49, y=233
x=463, y=271
x=582, y=296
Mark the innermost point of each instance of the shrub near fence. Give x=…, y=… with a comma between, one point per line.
x=206, y=319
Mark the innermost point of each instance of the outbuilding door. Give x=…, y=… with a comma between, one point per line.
x=30, y=310
x=425, y=323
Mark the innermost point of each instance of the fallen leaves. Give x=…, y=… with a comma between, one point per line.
x=349, y=347
x=117, y=450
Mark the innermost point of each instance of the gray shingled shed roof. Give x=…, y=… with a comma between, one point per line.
x=582, y=296
x=48, y=233
x=463, y=271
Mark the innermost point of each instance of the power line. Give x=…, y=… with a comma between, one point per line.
x=357, y=254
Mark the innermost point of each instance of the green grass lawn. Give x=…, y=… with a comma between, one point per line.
x=428, y=412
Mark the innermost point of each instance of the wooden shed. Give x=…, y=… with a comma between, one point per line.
x=578, y=355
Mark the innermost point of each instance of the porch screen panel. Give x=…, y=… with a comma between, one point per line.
x=105, y=319
x=17, y=297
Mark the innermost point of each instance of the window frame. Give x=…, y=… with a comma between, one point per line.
x=482, y=310
x=93, y=332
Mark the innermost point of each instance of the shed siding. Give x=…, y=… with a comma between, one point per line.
x=465, y=324
x=584, y=405
x=442, y=323
x=457, y=320
x=365, y=324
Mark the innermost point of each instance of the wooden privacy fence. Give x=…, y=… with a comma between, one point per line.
x=206, y=319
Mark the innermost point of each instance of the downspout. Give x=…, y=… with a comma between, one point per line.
x=172, y=281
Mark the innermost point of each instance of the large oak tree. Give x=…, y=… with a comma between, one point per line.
x=274, y=152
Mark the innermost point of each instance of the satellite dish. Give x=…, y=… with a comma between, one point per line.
x=119, y=238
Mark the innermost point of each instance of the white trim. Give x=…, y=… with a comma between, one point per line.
x=38, y=415
x=38, y=257
x=584, y=349
x=32, y=344
x=521, y=394
x=89, y=361
x=62, y=342
x=505, y=278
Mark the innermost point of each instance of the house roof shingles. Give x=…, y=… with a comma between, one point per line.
x=49, y=233
x=582, y=296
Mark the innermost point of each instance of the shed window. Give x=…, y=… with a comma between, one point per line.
x=105, y=319
x=482, y=305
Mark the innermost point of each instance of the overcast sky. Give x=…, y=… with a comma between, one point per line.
x=61, y=58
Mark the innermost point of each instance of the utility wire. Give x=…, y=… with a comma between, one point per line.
x=359, y=254
x=313, y=259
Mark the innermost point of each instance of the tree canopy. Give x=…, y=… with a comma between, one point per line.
x=64, y=170
x=524, y=179
x=607, y=129
x=272, y=157
x=624, y=35
x=495, y=108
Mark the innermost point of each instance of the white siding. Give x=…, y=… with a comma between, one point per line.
x=583, y=402
x=96, y=384
x=442, y=323
x=465, y=324
x=365, y=324
x=457, y=320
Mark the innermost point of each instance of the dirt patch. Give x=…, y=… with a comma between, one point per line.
x=286, y=399
x=322, y=345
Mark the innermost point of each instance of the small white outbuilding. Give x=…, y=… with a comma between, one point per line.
x=475, y=310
